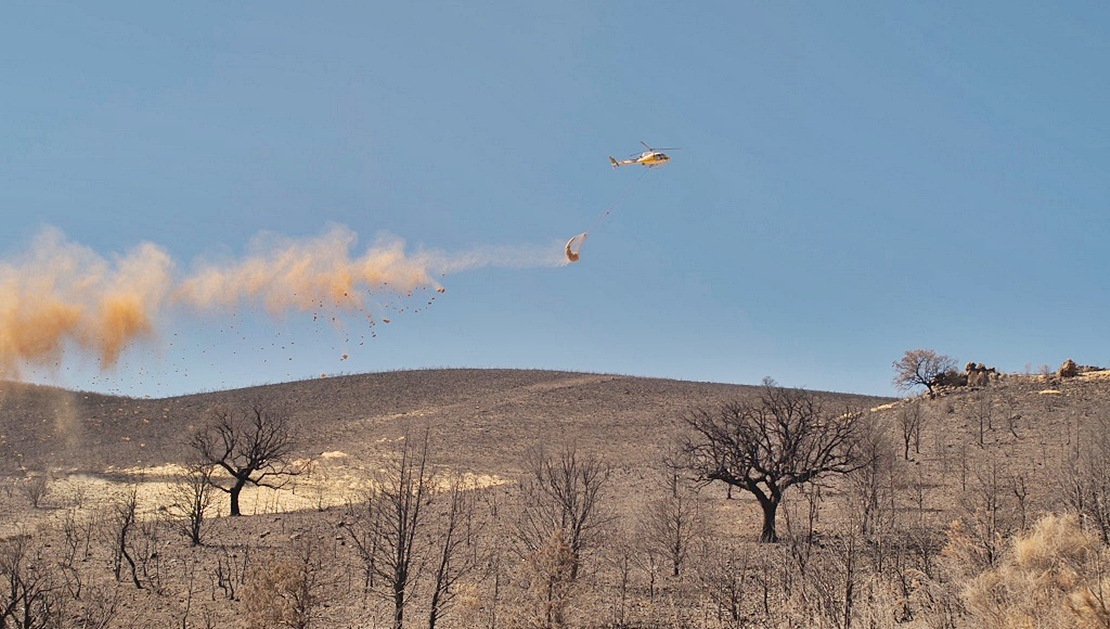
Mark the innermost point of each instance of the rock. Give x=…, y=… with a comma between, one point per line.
x=979, y=375
x=1068, y=369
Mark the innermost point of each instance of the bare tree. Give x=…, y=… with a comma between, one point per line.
x=988, y=519
x=651, y=561
x=252, y=446
x=29, y=596
x=100, y=608
x=362, y=531
x=122, y=524
x=981, y=414
x=721, y=572
x=1086, y=477
x=870, y=490
x=386, y=532
x=921, y=367
x=454, y=544
x=562, y=493
x=784, y=438
x=910, y=419
x=191, y=500
x=1010, y=407
x=672, y=522
x=232, y=567
x=151, y=556
x=620, y=557
x=76, y=548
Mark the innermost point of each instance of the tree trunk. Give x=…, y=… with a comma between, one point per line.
x=770, y=506
x=398, y=607
x=433, y=615
x=235, y=489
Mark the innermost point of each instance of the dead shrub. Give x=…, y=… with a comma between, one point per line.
x=551, y=583
x=35, y=488
x=287, y=593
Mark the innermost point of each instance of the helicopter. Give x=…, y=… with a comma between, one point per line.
x=651, y=157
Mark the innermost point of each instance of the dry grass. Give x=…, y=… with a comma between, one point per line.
x=482, y=422
x=1053, y=577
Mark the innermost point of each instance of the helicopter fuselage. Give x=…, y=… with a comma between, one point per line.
x=652, y=158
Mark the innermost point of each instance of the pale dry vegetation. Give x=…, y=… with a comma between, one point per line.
x=564, y=500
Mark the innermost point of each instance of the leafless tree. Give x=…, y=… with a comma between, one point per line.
x=190, y=586
x=151, y=554
x=981, y=415
x=782, y=439
x=362, y=532
x=29, y=596
x=100, y=608
x=831, y=587
x=910, y=417
x=1010, y=408
x=232, y=567
x=253, y=447
x=76, y=548
x=870, y=492
x=620, y=556
x=988, y=519
x=1019, y=487
x=651, y=561
x=454, y=544
x=387, y=530
x=192, y=497
x=672, y=522
x=562, y=493
x=1086, y=477
x=920, y=367
x=122, y=523
x=721, y=573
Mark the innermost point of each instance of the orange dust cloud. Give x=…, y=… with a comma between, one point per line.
x=284, y=274
x=60, y=293
x=288, y=274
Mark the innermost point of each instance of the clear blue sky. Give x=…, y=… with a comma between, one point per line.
x=854, y=180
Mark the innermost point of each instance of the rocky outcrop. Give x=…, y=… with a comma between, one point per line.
x=1068, y=369
x=974, y=375
x=979, y=375
x=949, y=379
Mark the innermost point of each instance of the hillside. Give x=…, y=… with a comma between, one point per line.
x=484, y=420
x=1023, y=429
x=481, y=419
x=995, y=458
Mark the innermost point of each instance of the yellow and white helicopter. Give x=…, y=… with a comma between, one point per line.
x=650, y=158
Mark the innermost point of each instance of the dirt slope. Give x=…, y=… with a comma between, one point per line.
x=480, y=419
